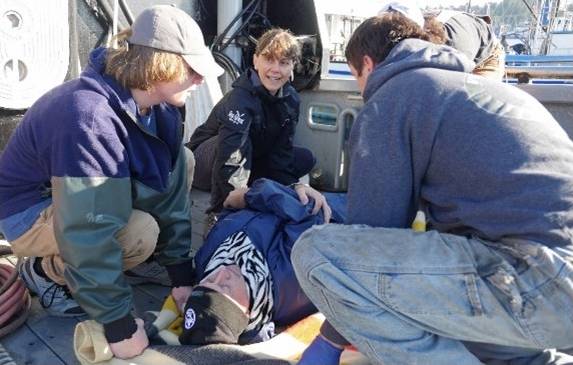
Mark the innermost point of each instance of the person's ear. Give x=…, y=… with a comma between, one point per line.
x=255, y=61
x=367, y=64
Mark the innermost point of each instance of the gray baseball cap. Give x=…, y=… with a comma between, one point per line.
x=170, y=29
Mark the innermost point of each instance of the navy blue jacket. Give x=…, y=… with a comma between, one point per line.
x=81, y=144
x=255, y=133
x=274, y=220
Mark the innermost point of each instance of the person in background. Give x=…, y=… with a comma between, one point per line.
x=470, y=34
x=492, y=281
x=94, y=179
x=249, y=133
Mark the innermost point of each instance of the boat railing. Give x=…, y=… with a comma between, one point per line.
x=524, y=68
x=531, y=60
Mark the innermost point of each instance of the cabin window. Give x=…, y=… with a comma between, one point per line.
x=323, y=116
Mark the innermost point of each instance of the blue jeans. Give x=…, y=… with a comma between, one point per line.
x=403, y=297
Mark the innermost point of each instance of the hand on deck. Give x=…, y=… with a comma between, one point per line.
x=305, y=192
x=132, y=346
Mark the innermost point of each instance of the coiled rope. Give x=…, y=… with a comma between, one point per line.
x=15, y=299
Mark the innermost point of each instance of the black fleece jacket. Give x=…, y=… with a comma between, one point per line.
x=255, y=136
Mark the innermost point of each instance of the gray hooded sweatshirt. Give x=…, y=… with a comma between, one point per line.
x=485, y=158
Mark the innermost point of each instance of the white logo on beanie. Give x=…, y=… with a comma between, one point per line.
x=189, y=318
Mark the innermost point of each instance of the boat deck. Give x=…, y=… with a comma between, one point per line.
x=48, y=340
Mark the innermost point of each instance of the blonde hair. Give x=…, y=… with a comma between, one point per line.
x=278, y=43
x=139, y=67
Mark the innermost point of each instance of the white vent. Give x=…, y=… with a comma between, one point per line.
x=34, y=49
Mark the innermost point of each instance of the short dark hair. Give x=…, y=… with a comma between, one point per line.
x=377, y=36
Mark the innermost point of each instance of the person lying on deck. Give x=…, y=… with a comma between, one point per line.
x=247, y=283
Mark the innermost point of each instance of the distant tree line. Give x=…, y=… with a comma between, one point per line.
x=506, y=15
x=510, y=15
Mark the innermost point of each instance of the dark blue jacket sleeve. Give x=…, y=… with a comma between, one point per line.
x=268, y=196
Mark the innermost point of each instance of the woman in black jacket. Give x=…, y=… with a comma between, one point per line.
x=249, y=133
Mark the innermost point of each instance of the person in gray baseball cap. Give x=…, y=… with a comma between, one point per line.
x=95, y=179
x=170, y=29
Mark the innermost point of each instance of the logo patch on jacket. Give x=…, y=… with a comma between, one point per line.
x=236, y=117
x=189, y=318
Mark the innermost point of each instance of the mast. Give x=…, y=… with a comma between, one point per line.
x=545, y=15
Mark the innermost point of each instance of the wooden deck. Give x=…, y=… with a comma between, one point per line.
x=46, y=340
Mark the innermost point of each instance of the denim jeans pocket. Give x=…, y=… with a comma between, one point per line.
x=432, y=294
x=548, y=311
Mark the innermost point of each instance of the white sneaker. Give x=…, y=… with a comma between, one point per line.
x=54, y=298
